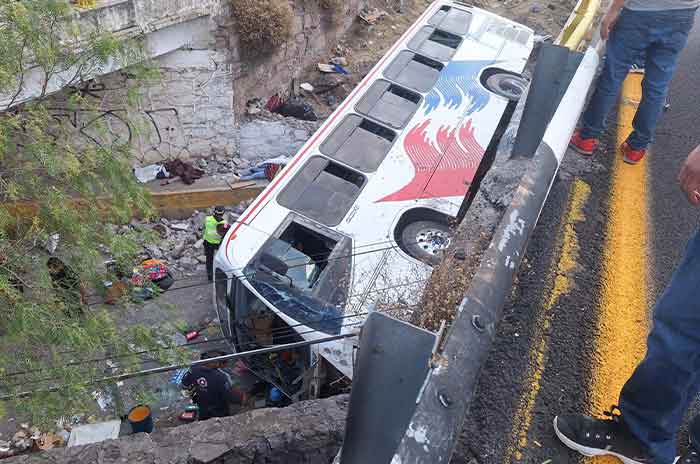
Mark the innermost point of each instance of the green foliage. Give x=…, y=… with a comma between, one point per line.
x=51, y=183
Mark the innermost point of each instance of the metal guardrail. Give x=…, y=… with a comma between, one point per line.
x=579, y=24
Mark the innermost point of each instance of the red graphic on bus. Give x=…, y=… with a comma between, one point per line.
x=444, y=168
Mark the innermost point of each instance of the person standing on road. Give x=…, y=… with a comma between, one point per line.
x=656, y=31
x=654, y=400
x=212, y=237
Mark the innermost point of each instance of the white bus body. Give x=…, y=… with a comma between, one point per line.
x=350, y=224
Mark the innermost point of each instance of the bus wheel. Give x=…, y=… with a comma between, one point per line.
x=426, y=240
x=506, y=85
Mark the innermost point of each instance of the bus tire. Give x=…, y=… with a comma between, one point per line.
x=506, y=84
x=426, y=240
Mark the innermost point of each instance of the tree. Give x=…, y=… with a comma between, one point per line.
x=54, y=187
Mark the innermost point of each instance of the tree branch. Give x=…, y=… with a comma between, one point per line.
x=20, y=87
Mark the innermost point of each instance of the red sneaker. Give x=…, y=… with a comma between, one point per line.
x=631, y=156
x=583, y=146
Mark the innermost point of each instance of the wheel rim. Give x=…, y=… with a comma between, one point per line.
x=433, y=241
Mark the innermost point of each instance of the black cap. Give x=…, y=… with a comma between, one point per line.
x=219, y=210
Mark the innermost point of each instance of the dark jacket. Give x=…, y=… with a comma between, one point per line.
x=211, y=390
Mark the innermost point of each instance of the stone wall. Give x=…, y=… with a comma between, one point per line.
x=190, y=112
x=309, y=432
x=187, y=113
x=315, y=32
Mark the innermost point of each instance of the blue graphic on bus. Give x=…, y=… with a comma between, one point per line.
x=457, y=82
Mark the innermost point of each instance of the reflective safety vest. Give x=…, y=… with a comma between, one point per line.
x=210, y=233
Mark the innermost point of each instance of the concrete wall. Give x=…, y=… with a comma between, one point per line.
x=190, y=112
x=309, y=432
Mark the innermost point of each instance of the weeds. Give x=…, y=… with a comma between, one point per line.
x=263, y=24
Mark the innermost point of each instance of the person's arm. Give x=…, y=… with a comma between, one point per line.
x=689, y=178
x=611, y=18
x=187, y=381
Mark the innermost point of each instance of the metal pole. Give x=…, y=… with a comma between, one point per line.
x=158, y=370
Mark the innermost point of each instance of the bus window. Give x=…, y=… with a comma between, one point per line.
x=435, y=43
x=414, y=71
x=389, y=103
x=452, y=20
x=355, y=131
x=323, y=191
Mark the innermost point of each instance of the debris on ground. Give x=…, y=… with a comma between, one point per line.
x=28, y=439
x=184, y=170
x=178, y=251
x=267, y=169
x=297, y=109
x=339, y=60
x=151, y=172
x=332, y=68
x=372, y=15
x=254, y=106
x=94, y=433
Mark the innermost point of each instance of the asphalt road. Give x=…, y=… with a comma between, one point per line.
x=570, y=336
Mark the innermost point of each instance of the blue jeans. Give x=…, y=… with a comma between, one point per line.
x=657, y=37
x=656, y=397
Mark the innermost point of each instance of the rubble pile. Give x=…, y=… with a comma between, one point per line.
x=180, y=243
x=33, y=439
x=264, y=135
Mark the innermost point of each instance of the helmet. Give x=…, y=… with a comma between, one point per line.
x=275, y=394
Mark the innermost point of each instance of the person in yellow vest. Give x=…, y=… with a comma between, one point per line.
x=213, y=234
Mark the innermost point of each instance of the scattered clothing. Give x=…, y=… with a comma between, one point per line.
x=267, y=169
x=151, y=172
x=297, y=109
x=183, y=170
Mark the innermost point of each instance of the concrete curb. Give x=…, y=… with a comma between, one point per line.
x=449, y=387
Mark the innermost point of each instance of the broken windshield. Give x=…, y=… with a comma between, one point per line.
x=302, y=271
x=304, y=309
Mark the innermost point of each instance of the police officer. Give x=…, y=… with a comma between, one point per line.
x=213, y=228
x=211, y=387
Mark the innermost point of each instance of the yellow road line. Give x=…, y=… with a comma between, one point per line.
x=623, y=316
x=561, y=276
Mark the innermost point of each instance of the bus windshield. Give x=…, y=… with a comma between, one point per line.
x=301, y=269
x=285, y=276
